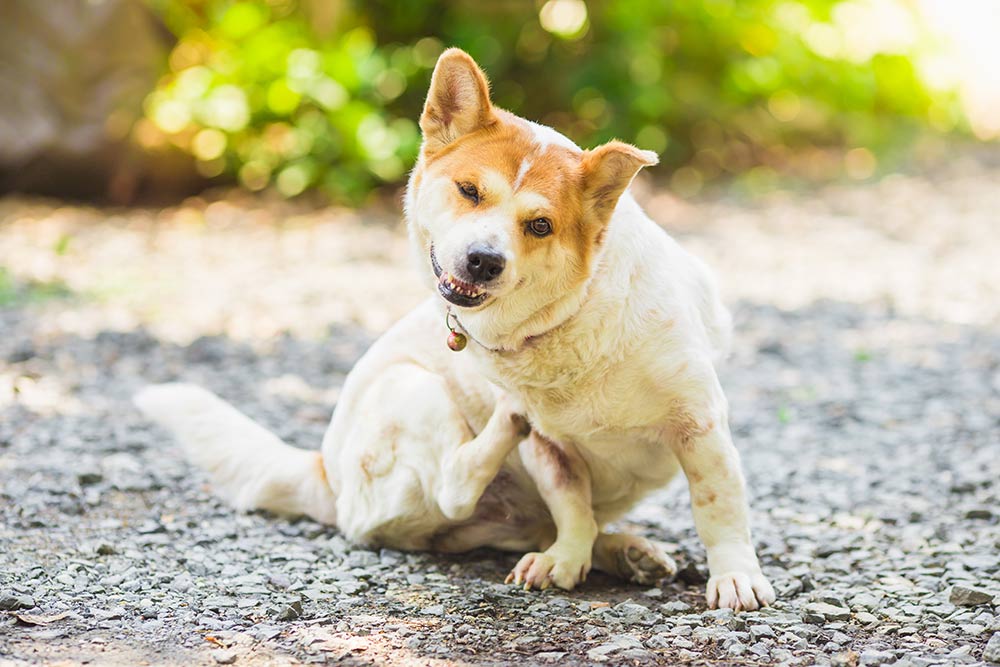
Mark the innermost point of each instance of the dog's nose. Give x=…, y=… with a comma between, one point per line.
x=485, y=264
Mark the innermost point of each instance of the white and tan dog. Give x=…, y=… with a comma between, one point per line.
x=581, y=315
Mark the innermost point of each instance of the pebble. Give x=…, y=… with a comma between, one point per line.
x=992, y=651
x=870, y=657
x=823, y=611
x=13, y=602
x=675, y=607
x=224, y=657
x=965, y=596
x=290, y=612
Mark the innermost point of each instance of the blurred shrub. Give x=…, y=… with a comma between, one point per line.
x=326, y=94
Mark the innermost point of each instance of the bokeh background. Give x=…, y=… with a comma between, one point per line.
x=126, y=100
x=209, y=191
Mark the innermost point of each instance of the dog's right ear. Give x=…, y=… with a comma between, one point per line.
x=458, y=101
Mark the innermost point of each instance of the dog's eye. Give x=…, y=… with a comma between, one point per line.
x=540, y=226
x=469, y=191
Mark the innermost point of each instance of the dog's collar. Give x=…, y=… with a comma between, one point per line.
x=505, y=350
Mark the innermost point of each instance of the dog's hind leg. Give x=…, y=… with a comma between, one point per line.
x=632, y=558
x=470, y=467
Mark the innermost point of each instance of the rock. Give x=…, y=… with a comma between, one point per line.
x=551, y=656
x=973, y=629
x=844, y=659
x=224, y=657
x=871, y=657
x=823, y=611
x=89, y=478
x=13, y=602
x=433, y=610
x=635, y=614
x=675, y=607
x=757, y=632
x=290, y=612
x=965, y=596
x=992, y=651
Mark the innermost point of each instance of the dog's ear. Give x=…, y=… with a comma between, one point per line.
x=607, y=172
x=458, y=101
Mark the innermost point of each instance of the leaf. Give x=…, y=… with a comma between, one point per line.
x=41, y=619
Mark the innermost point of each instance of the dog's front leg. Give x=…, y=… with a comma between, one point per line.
x=563, y=481
x=718, y=501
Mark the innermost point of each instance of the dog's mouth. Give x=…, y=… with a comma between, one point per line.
x=455, y=290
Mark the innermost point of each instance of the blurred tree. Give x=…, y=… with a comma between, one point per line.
x=74, y=76
x=302, y=94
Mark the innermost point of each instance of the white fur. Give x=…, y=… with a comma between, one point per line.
x=251, y=468
x=544, y=136
x=522, y=171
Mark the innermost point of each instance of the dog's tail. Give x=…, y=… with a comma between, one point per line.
x=250, y=467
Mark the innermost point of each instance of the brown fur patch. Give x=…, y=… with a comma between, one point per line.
x=322, y=468
x=688, y=428
x=703, y=499
x=555, y=459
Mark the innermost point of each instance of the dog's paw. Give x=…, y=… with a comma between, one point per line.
x=541, y=570
x=739, y=591
x=514, y=408
x=643, y=562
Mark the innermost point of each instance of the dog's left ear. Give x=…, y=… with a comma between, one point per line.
x=607, y=172
x=458, y=101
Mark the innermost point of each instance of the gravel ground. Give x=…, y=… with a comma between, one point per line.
x=865, y=386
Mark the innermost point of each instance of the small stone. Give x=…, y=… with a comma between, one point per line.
x=719, y=615
x=830, y=598
x=89, y=478
x=844, y=659
x=965, y=596
x=973, y=629
x=433, y=610
x=224, y=657
x=13, y=602
x=291, y=612
x=736, y=648
x=871, y=657
x=865, y=618
x=992, y=651
x=633, y=655
x=792, y=641
x=675, y=607
x=828, y=612
x=551, y=656
x=635, y=614
x=760, y=631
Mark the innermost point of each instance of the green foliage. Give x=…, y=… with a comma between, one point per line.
x=317, y=93
x=13, y=293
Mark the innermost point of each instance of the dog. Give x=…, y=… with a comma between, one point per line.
x=586, y=381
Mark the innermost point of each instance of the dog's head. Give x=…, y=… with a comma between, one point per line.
x=507, y=215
